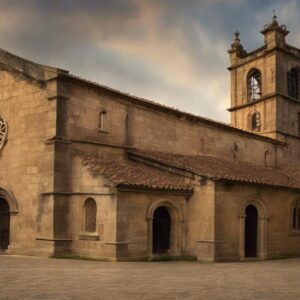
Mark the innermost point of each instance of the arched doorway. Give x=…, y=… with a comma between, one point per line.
x=251, y=231
x=4, y=224
x=161, y=230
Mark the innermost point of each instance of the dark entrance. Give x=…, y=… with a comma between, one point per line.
x=4, y=224
x=251, y=231
x=161, y=230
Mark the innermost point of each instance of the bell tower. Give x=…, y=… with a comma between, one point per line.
x=265, y=85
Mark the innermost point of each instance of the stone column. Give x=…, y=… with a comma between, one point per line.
x=150, y=236
x=13, y=233
x=262, y=237
x=175, y=237
x=242, y=237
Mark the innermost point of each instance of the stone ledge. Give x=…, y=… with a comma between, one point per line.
x=58, y=97
x=53, y=239
x=89, y=236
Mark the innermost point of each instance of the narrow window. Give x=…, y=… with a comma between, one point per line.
x=296, y=216
x=256, y=122
x=102, y=121
x=293, y=84
x=266, y=156
x=235, y=149
x=90, y=212
x=298, y=124
x=254, y=85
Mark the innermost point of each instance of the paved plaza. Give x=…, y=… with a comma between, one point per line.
x=40, y=278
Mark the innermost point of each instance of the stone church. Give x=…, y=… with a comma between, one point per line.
x=90, y=171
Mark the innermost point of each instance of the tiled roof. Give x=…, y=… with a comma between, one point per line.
x=221, y=169
x=123, y=172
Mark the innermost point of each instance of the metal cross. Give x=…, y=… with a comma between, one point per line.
x=236, y=35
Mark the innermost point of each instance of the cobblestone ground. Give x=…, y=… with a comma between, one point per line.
x=39, y=278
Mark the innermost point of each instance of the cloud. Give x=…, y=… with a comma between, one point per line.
x=172, y=51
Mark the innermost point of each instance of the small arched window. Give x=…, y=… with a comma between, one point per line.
x=293, y=83
x=254, y=85
x=296, y=215
x=298, y=123
x=90, y=214
x=102, y=121
x=256, y=121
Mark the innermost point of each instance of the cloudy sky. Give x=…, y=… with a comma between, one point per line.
x=170, y=51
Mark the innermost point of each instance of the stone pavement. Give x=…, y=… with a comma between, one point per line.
x=40, y=278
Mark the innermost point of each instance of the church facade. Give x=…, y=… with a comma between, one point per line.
x=90, y=171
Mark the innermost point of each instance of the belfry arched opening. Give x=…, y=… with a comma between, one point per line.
x=4, y=224
x=161, y=230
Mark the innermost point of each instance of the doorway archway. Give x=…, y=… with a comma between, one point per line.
x=161, y=230
x=4, y=224
x=165, y=222
x=8, y=220
x=251, y=231
x=253, y=219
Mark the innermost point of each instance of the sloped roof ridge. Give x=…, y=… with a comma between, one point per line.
x=121, y=171
x=254, y=51
x=161, y=157
x=154, y=102
x=10, y=54
x=176, y=110
x=153, y=156
x=30, y=68
x=216, y=168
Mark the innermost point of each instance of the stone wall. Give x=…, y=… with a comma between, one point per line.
x=102, y=242
x=200, y=221
x=279, y=112
x=137, y=126
x=266, y=64
x=135, y=217
x=26, y=160
x=124, y=219
x=275, y=211
x=241, y=116
x=288, y=109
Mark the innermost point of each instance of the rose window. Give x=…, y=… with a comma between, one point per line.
x=3, y=132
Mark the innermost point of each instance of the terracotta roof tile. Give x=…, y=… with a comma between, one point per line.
x=221, y=169
x=123, y=172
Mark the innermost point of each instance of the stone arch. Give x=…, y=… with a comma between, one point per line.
x=10, y=227
x=250, y=117
x=89, y=215
x=102, y=120
x=293, y=83
x=176, y=232
x=256, y=122
x=254, y=88
x=11, y=200
x=261, y=226
x=295, y=205
x=258, y=203
x=174, y=209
